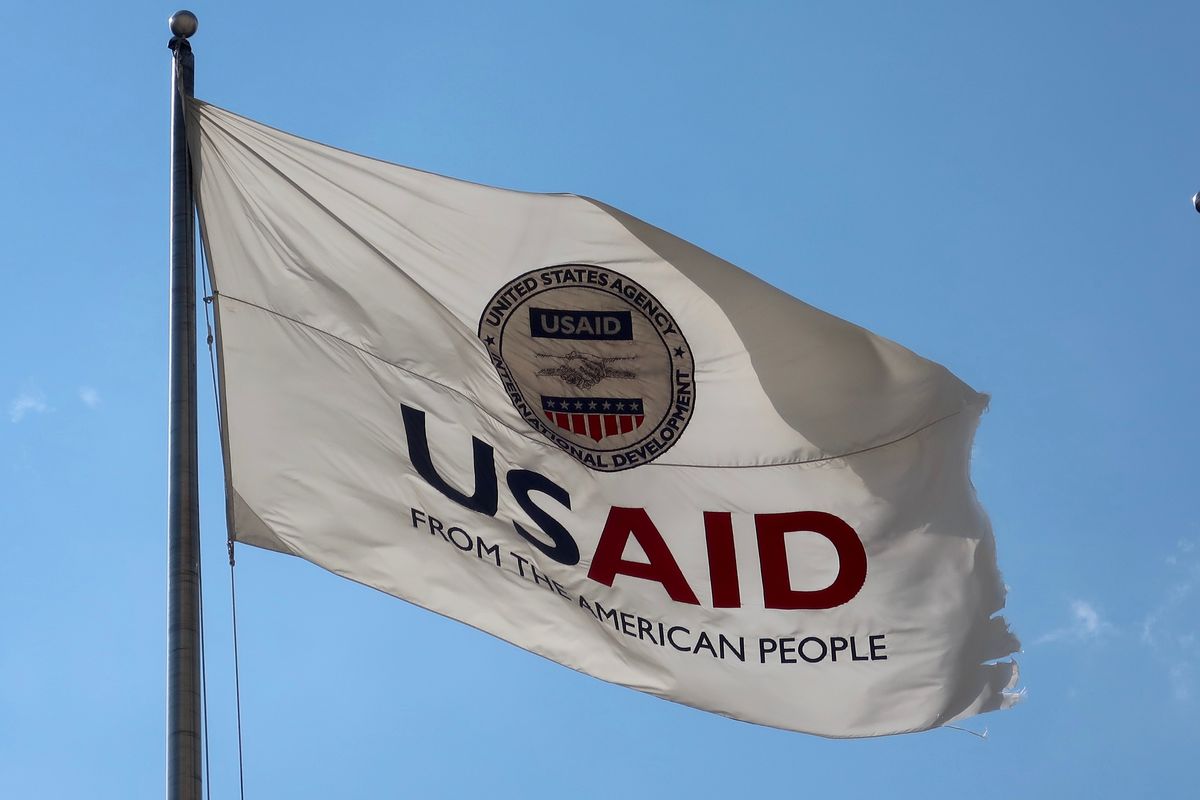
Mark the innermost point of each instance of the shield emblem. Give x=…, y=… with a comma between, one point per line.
x=594, y=417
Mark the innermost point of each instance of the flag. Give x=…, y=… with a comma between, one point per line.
x=554, y=422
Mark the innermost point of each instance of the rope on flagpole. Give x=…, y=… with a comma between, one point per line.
x=209, y=299
x=237, y=680
x=203, y=684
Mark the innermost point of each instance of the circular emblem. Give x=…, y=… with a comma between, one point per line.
x=593, y=362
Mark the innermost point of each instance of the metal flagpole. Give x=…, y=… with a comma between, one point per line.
x=183, y=515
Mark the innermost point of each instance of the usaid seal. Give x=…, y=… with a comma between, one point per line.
x=593, y=362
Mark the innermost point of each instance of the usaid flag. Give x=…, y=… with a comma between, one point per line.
x=569, y=429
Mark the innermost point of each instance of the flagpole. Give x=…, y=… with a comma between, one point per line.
x=183, y=514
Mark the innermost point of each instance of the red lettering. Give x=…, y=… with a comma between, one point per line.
x=722, y=559
x=772, y=553
x=609, y=560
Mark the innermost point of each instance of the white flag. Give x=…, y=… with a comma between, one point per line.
x=574, y=431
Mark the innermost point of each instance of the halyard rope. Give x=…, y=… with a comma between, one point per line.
x=209, y=299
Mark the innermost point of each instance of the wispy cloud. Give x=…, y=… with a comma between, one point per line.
x=1086, y=624
x=89, y=396
x=1169, y=631
x=1087, y=619
x=29, y=401
x=1182, y=675
x=1169, y=634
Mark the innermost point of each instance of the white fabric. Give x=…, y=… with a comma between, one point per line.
x=348, y=288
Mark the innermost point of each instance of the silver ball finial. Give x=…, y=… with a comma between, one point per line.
x=1196, y=200
x=183, y=23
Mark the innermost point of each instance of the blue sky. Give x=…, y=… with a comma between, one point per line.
x=1002, y=188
